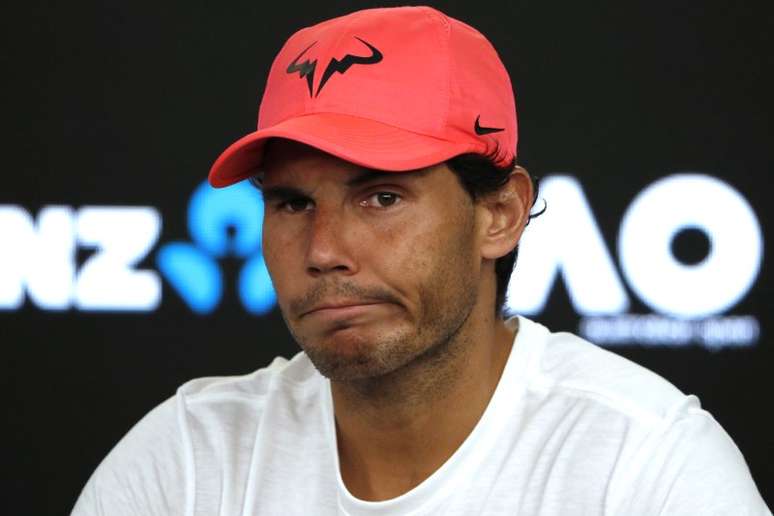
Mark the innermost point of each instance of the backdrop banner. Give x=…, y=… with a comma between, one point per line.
x=123, y=274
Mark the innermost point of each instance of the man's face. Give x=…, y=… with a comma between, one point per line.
x=372, y=270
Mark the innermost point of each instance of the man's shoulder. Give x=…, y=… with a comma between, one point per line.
x=663, y=452
x=153, y=469
x=571, y=366
x=294, y=377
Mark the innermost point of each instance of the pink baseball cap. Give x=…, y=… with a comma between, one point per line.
x=392, y=89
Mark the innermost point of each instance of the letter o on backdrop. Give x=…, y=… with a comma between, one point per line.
x=677, y=202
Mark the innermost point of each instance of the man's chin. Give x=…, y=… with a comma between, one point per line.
x=351, y=353
x=343, y=370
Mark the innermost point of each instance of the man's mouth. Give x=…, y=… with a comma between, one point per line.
x=342, y=309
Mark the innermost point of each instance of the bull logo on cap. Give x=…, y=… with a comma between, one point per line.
x=307, y=67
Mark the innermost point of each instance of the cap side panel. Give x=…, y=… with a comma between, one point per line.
x=485, y=109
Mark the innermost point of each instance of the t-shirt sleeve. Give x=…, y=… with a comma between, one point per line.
x=146, y=473
x=695, y=468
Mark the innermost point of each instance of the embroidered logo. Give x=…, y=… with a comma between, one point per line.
x=485, y=130
x=306, y=68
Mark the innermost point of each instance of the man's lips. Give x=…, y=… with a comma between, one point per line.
x=342, y=308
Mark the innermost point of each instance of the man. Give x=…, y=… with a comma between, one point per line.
x=385, y=151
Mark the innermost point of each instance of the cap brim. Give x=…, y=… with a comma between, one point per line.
x=358, y=140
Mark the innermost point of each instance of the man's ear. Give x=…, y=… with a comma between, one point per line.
x=505, y=213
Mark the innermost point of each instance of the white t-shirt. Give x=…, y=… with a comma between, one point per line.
x=571, y=429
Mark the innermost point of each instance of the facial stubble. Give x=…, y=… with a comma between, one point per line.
x=431, y=340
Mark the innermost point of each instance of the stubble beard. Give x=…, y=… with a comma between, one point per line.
x=432, y=341
x=386, y=353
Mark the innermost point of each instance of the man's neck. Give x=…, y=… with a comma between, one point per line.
x=395, y=431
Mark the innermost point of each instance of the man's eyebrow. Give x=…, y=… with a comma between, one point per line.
x=369, y=175
x=281, y=193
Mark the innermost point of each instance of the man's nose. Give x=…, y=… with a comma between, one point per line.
x=328, y=248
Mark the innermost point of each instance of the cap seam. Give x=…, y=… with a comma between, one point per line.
x=329, y=50
x=436, y=16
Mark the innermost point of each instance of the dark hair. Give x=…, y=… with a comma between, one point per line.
x=479, y=176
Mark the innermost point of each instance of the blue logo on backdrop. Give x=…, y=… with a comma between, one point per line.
x=221, y=222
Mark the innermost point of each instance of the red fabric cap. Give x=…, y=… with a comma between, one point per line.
x=393, y=89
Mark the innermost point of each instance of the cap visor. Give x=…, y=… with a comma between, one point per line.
x=358, y=140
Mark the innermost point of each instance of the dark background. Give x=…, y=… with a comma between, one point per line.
x=129, y=103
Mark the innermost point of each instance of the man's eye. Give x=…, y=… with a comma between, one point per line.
x=295, y=205
x=381, y=200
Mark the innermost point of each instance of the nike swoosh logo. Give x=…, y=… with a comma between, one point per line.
x=485, y=130
x=306, y=68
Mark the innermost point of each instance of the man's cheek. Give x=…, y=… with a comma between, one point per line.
x=276, y=249
x=277, y=268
